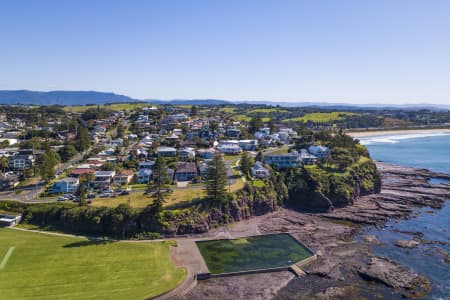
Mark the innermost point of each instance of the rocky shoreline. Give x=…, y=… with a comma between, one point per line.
x=346, y=268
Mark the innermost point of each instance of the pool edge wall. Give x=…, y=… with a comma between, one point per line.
x=301, y=263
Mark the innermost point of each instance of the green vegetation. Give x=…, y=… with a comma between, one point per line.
x=55, y=267
x=266, y=110
x=321, y=117
x=252, y=253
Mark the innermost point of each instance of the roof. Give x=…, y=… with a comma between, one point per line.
x=105, y=173
x=166, y=149
x=187, y=168
x=81, y=171
x=125, y=173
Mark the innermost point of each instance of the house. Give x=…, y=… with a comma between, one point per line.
x=103, y=179
x=107, y=152
x=233, y=133
x=8, y=182
x=144, y=175
x=285, y=160
x=21, y=161
x=166, y=152
x=206, y=153
x=248, y=145
x=67, y=185
x=187, y=154
x=123, y=177
x=229, y=149
x=186, y=171
x=177, y=118
x=146, y=164
x=307, y=158
x=259, y=171
x=319, y=151
x=8, y=220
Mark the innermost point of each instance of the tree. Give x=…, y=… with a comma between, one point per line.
x=67, y=152
x=246, y=163
x=120, y=131
x=108, y=166
x=4, y=163
x=122, y=215
x=255, y=124
x=160, y=179
x=82, y=140
x=46, y=165
x=194, y=110
x=216, y=180
x=81, y=193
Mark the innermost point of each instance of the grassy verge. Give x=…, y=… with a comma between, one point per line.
x=55, y=267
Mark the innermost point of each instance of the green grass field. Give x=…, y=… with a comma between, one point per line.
x=53, y=267
x=322, y=117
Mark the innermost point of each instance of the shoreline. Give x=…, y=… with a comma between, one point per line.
x=381, y=132
x=344, y=261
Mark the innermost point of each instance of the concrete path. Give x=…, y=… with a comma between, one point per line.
x=187, y=255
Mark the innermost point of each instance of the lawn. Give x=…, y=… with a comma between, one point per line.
x=266, y=110
x=53, y=267
x=322, y=117
x=139, y=200
x=252, y=253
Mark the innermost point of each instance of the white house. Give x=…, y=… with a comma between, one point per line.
x=319, y=151
x=144, y=175
x=166, y=152
x=187, y=153
x=259, y=171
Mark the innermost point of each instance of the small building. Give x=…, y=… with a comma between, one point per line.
x=248, y=145
x=285, y=160
x=144, y=175
x=259, y=171
x=146, y=165
x=319, y=151
x=186, y=154
x=67, y=185
x=206, y=153
x=79, y=172
x=103, y=178
x=166, y=152
x=186, y=171
x=307, y=158
x=229, y=147
x=123, y=177
x=21, y=161
x=9, y=220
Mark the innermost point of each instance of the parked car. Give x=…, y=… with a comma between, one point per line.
x=91, y=196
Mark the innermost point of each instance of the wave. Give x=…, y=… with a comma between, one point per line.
x=397, y=138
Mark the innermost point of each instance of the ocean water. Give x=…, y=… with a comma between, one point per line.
x=431, y=151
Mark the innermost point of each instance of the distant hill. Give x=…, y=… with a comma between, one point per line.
x=190, y=101
x=61, y=97
x=92, y=97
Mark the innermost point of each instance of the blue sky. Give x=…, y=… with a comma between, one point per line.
x=334, y=51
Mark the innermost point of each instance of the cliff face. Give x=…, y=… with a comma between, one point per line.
x=243, y=206
x=319, y=190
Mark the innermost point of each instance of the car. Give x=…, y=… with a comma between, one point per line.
x=61, y=198
x=124, y=193
x=91, y=196
x=105, y=195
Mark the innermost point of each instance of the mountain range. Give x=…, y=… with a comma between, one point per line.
x=70, y=98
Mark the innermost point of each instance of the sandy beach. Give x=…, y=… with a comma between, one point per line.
x=392, y=132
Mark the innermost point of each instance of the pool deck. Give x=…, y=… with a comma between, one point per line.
x=187, y=255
